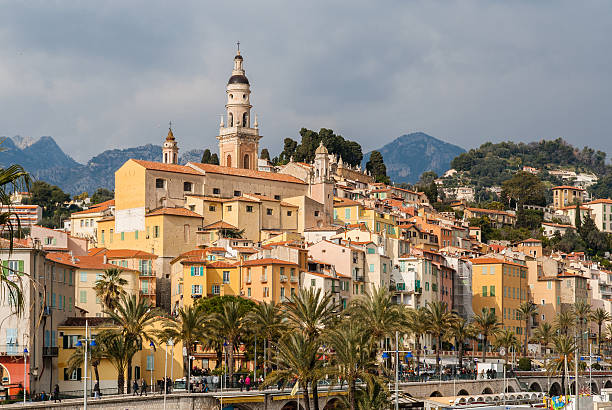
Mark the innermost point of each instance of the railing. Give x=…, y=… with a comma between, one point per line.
x=294, y=279
x=283, y=278
x=11, y=350
x=360, y=278
x=147, y=292
x=335, y=289
x=50, y=351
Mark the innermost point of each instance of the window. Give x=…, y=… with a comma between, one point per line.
x=237, y=193
x=160, y=183
x=268, y=211
x=186, y=232
x=102, y=236
x=313, y=282
x=122, y=236
x=150, y=362
x=266, y=292
x=282, y=293
x=277, y=197
x=212, y=208
x=371, y=267
x=226, y=276
x=347, y=213
x=249, y=292
x=135, y=234
x=187, y=186
x=484, y=270
x=289, y=214
x=228, y=208
x=371, y=250
x=549, y=285
x=216, y=290
x=492, y=290
x=216, y=191
x=83, y=296
x=83, y=276
x=156, y=231
x=426, y=285
x=316, y=213
x=249, y=208
x=196, y=289
x=484, y=291
x=197, y=271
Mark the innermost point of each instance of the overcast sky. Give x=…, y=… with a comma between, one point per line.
x=111, y=74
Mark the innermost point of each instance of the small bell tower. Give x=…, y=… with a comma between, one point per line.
x=170, y=148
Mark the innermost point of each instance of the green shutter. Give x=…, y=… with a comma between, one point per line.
x=5, y=268
x=21, y=267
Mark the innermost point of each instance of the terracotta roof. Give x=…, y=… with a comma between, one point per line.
x=84, y=262
x=220, y=264
x=218, y=225
x=267, y=261
x=215, y=249
x=328, y=276
x=323, y=228
x=489, y=211
x=102, y=206
x=158, y=166
x=600, y=201
x=174, y=212
x=288, y=205
x=345, y=202
x=248, y=173
x=557, y=225
x=244, y=249
x=63, y=258
x=262, y=197
x=208, y=198
x=5, y=244
x=127, y=254
x=531, y=240
x=108, y=218
x=194, y=253
x=584, y=208
x=487, y=261
x=95, y=251
x=567, y=187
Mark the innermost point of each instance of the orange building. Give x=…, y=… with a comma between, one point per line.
x=270, y=280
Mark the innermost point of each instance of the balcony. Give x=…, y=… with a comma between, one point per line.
x=335, y=289
x=359, y=278
x=418, y=290
x=147, y=292
x=400, y=286
x=11, y=350
x=147, y=274
x=294, y=279
x=264, y=278
x=283, y=279
x=50, y=351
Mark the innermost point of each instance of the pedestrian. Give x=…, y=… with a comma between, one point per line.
x=241, y=382
x=215, y=381
x=247, y=383
x=43, y=396
x=135, y=387
x=143, y=387
x=56, y=396
x=97, y=391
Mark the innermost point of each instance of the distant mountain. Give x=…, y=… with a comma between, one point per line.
x=408, y=156
x=46, y=161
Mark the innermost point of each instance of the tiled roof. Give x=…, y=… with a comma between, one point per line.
x=127, y=254
x=267, y=261
x=91, y=321
x=244, y=249
x=487, y=261
x=220, y=264
x=323, y=228
x=84, y=262
x=248, y=173
x=531, y=240
x=208, y=198
x=218, y=225
x=600, y=201
x=557, y=225
x=345, y=202
x=215, y=249
x=569, y=207
x=158, y=166
x=5, y=244
x=95, y=251
x=174, y=212
x=567, y=187
x=489, y=211
x=102, y=206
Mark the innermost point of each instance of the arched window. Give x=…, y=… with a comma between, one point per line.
x=246, y=161
x=165, y=157
x=229, y=160
x=231, y=120
x=245, y=120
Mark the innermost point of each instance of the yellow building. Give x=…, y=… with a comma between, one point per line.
x=147, y=363
x=566, y=195
x=500, y=286
x=270, y=280
x=352, y=212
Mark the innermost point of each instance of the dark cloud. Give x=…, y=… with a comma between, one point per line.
x=100, y=75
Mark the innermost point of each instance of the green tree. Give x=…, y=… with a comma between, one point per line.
x=188, y=329
x=77, y=358
x=582, y=314
x=507, y=339
x=206, y=156
x=109, y=288
x=439, y=319
x=102, y=195
x=118, y=351
x=82, y=196
x=487, y=325
x=268, y=320
x=600, y=316
x=525, y=188
x=214, y=159
x=461, y=331
x=564, y=322
x=527, y=311
x=135, y=318
x=577, y=217
x=544, y=335
x=265, y=154
x=416, y=323
x=51, y=199
x=376, y=166
x=427, y=178
x=372, y=396
x=565, y=348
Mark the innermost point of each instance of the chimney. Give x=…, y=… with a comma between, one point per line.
x=105, y=259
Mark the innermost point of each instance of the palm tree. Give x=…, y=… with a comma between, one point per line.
x=487, y=325
x=109, y=288
x=527, y=310
x=564, y=322
x=229, y=324
x=608, y=334
x=416, y=322
x=268, y=320
x=309, y=313
x=117, y=349
x=439, y=319
x=374, y=396
x=12, y=179
x=188, y=329
x=77, y=358
x=600, y=316
x=582, y=313
x=507, y=339
x=298, y=359
x=565, y=348
x=352, y=359
x=135, y=318
x=461, y=331
x=544, y=335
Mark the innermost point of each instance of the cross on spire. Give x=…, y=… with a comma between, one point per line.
x=238, y=44
x=170, y=125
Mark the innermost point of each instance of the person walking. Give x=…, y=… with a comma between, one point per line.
x=97, y=391
x=56, y=394
x=143, y=387
x=135, y=387
x=241, y=382
x=247, y=383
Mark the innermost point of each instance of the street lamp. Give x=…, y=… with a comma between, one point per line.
x=88, y=340
x=25, y=373
x=152, y=346
x=169, y=342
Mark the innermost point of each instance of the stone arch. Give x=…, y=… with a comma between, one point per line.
x=333, y=403
x=436, y=394
x=245, y=120
x=594, y=388
x=555, y=389
x=487, y=390
x=292, y=405
x=535, y=386
x=230, y=120
x=242, y=407
x=245, y=162
x=463, y=392
x=5, y=373
x=572, y=388
x=228, y=162
x=608, y=384
x=510, y=389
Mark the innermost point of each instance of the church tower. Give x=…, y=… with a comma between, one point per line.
x=238, y=141
x=321, y=182
x=170, y=149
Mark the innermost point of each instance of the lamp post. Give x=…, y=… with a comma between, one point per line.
x=87, y=339
x=169, y=342
x=25, y=372
x=152, y=346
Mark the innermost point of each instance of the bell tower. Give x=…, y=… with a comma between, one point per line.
x=170, y=148
x=238, y=141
